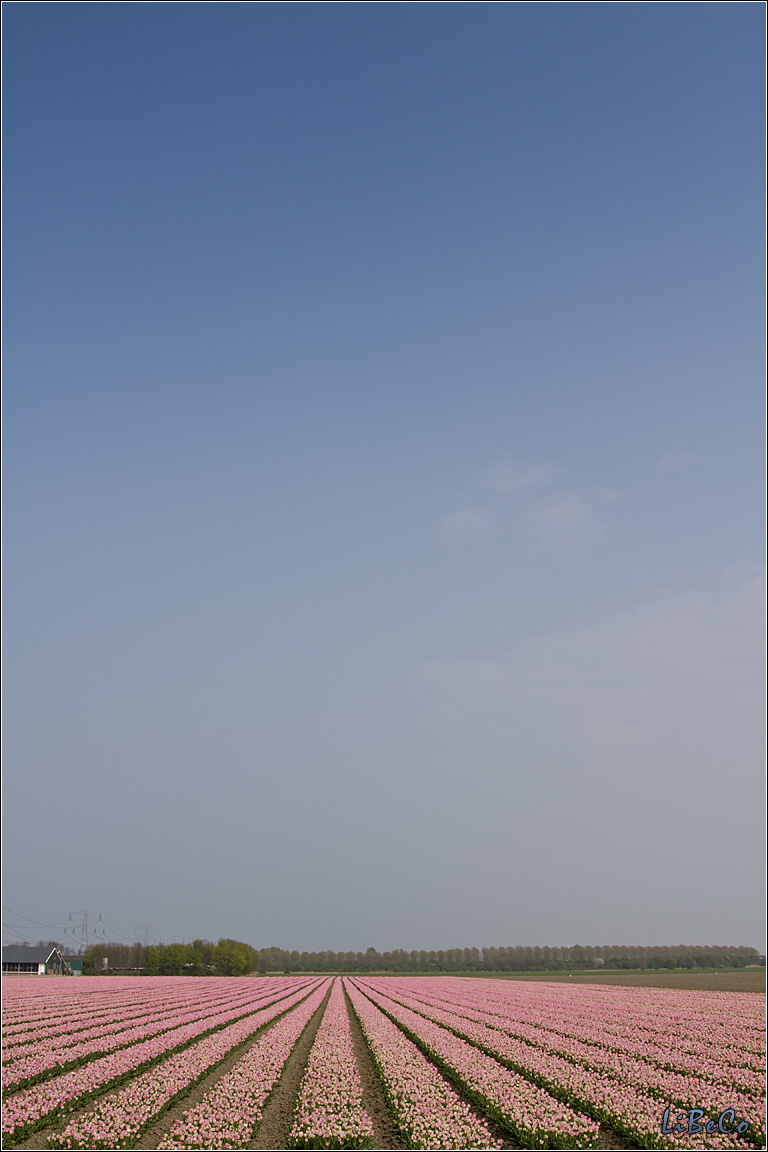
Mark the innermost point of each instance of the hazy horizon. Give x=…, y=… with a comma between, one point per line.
x=384, y=473
x=72, y=945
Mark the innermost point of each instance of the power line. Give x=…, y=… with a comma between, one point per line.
x=148, y=930
x=70, y=928
x=8, y=900
x=21, y=903
x=120, y=934
x=37, y=923
x=9, y=928
x=21, y=936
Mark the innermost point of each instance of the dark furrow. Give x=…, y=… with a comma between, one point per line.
x=608, y=1138
x=172, y=1115
x=38, y=1140
x=279, y=1110
x=496, y=1130
x=54, y=1073
x=385, y=1131
x=176, y=1112
x=277, y=1117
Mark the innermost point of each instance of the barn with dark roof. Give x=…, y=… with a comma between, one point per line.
x=23, y=960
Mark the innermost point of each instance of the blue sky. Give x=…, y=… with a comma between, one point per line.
x=384, y=471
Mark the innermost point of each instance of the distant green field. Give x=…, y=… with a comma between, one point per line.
x=699, y=980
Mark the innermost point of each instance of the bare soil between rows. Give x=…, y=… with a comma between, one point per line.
x=279, y=1110
x=277, y=1117
x=176, y=1111
x=385, y=1131
x=608, y=1138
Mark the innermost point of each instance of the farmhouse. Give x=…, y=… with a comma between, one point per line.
x=46, y=961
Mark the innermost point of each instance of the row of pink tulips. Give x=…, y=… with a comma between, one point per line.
x=47, y=1059
x=329, y=1110
x=122, y=995
x=31, y=1107
x=427, y=1111
x=520, y=1051
x=230, y=1113
x=712, y=1018
x=687, y=1092
x=119, y=1120
x=50, y=1053
x=69, y=1030
x=66, y=1013
x=120, y=1012
x=61, y=999
x=655, y=1009
x=603, y=1017
x=532, y=1114
x=629, y=1109
x=617, y=1054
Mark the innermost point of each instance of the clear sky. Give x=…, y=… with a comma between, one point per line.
x=384, y=472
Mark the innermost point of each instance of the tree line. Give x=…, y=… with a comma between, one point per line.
x=200, y=958
x=517, y=959
x=235, y=958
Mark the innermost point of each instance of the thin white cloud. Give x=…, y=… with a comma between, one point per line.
x=674, y=462
x=671, y=687
x=507, y=476
x=465, y=520
x=525, y=502
x=566, y=519
x=613, y=771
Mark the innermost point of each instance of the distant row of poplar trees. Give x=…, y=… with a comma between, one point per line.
x=235, y=958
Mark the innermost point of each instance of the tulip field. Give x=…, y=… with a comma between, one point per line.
x=384, y=1062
